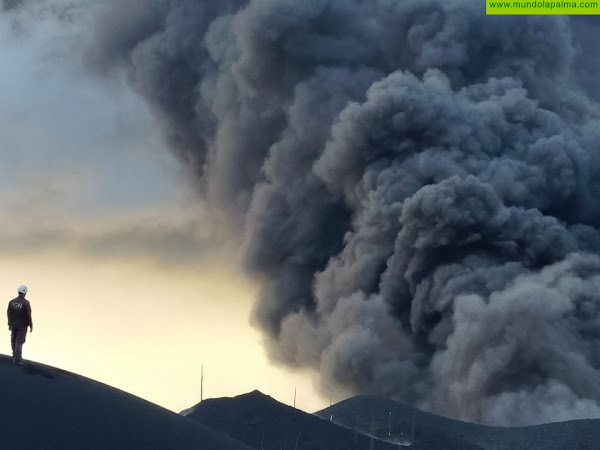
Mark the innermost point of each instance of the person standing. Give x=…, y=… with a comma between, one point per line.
x=19, y=318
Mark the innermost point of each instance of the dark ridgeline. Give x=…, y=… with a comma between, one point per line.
x=574, y=434
x=44, y=408
x=263, y=423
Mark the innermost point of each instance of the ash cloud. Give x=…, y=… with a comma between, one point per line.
x=417, y=184
x=9, y=4
x=587, y=31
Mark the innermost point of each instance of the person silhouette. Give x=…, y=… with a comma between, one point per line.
x=19, y=318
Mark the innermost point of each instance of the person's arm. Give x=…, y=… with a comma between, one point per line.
x=8, y=315
x=29, y=321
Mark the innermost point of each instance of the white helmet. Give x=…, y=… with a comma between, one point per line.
x=22, y=289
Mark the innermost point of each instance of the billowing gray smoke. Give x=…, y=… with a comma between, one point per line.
x=418, y=185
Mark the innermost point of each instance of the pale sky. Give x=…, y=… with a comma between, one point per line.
x=148, y=330
x=97, y=219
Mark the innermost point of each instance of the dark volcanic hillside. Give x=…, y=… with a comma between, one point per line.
x=263, y=423
x=44, y=408
x=362, y=411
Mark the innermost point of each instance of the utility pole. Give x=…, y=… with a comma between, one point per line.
x=294, y=397
x=201, y=383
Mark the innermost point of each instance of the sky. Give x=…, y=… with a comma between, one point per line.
x=149, y=330
x=132, y=282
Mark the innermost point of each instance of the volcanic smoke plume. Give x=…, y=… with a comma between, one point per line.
x=417, y=183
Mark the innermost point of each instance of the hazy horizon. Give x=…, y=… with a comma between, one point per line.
x=114, y=321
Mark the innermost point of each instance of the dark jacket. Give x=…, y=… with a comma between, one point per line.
x=19, y=313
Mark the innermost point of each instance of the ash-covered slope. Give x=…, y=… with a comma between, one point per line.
x=263, y=423
x=45, y=408
x=384, y=417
